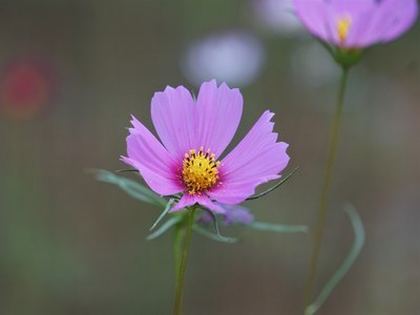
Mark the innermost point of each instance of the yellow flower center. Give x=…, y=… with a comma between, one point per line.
x=199, y=171
x=343, y=28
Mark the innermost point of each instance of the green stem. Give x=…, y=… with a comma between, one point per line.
x=182, y=242
x=322, y=210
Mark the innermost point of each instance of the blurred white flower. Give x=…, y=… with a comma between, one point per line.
x=277, y=16
x=233, y=57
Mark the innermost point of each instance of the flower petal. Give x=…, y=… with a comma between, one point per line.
x=360, y=13
x=190, y=200
x=150, y=158
x=234, y=214
x=377, y=22
x=237, y=215
x=207, y=203
x=258, y=158
x=174, y=118
x=185, y=201
x=313, y=15
x=395, y=18
x=219, y=111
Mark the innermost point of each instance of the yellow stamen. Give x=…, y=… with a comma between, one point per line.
x=343, y=28
x=199, y=171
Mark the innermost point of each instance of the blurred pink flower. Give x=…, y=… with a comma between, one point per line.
x=357, y=23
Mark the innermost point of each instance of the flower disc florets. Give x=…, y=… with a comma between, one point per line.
x=199, y=171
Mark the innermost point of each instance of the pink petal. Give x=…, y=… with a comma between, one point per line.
x=174, y=117
x=258, y=158
x=313, y=14
x=219, y=111
x=190, y=200
x=395, y=18
x=375, y=22
x=361, y=14
x=150, y=158
x=207, y=203
x=186, y=200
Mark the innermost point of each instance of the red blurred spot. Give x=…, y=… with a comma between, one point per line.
x=26, y=87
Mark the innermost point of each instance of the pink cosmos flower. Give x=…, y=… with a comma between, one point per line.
x=357, y=23
x=194, y=134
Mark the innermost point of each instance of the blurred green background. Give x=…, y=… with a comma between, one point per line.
x=71, y=74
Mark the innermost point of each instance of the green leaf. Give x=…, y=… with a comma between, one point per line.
x=278, y=228
x=281, y=182
x=126, y=170
x=134, y=189
x=213, y=236
x=163, y=213
x=359, y=240
x=164, y=227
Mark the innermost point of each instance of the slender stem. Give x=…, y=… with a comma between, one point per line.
x=322, y=210
x=181, y=250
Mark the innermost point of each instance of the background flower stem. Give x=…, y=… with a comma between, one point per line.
x=322, y=210
x=183, y=233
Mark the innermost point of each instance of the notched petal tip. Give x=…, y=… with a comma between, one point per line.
x=212, y=82
x=124, y=159
x=225, y=86
x=167, y=91
x=136, y=125
x=267, y=115
x=284, y=144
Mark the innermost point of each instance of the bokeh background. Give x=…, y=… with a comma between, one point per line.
x=73, y=71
